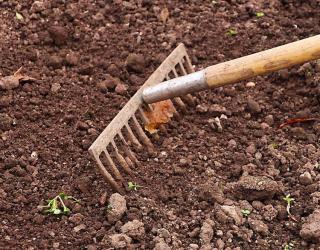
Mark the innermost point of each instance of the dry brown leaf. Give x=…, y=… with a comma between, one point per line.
x=298, y=120
x=161, y=114
x=13, y=81
x=164, y=15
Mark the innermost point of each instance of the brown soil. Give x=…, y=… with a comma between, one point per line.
x=70, y=47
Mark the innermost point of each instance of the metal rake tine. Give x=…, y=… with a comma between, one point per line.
x=108, y=176
x=187, y=98
x=144, y=138
x=127, y=149
x=132, y=137
x=113, y=167
x=177, y=101
x=120, y=159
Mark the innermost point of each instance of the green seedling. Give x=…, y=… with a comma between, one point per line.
x=245, y=212
x=259, y=14
x=231, y=32
x=109, y=208
x=289, y=201
x=56, y=206
x=19, y=16
x=288, y=246
x=274, y=145
x=133, y=186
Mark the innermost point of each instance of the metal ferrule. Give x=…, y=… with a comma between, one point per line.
x=179, y=86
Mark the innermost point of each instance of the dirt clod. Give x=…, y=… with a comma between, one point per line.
x=118, y=207
x=258, y=226
x=119, y=241
x=135, y=62
x=311, y=228
x=72, y=58
x=256, y=188
x=134, y=229
x=58, y=34
x=206, y=231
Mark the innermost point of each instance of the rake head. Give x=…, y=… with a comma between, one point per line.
x=114, y=146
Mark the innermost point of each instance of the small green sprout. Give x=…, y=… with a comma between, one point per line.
x=19, y=16
x=289, y=201
x=109, y=207
x=259, y=14
x=133, y=186
x=56, y=205
x=245, y=212
x=231, y=32
x=288, y=246
x=274, y=145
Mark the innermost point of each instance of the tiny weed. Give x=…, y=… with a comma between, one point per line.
x=19, y=16
x=289, y=201
x=274, y=145
x=259, y=14
x=288, y=246
x=245, y=212
x=231, y=32
x=133, y=186
x=109, y=207
x=56, y=205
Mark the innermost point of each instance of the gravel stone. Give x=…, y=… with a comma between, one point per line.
x=305, y=178
x=253, y=106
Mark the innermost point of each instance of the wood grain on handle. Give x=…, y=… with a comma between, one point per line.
x=263, y=62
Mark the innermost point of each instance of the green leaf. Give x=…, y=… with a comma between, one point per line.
x=259, y=14
x=19, y=16
x=66, y=210
x=231, y=32
x=245, y=212
x=57, y=211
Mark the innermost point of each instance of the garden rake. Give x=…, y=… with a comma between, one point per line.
x=175, y=79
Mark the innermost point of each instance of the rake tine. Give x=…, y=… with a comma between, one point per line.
x=177, y=101
x=127, y=150
x=188, y=98
x=121, y=159
x=132, y=137
x=145, y=120
x=188, y=64
x=144, y=138
x=108, y=176
x=113, y=167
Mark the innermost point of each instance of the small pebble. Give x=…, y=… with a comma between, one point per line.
x=250, y=85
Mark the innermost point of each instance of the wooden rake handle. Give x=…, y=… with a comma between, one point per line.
x=236, y=70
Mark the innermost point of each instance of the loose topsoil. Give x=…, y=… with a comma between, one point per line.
x=203, y=189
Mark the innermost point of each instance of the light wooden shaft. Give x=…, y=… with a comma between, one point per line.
x=263, y=62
